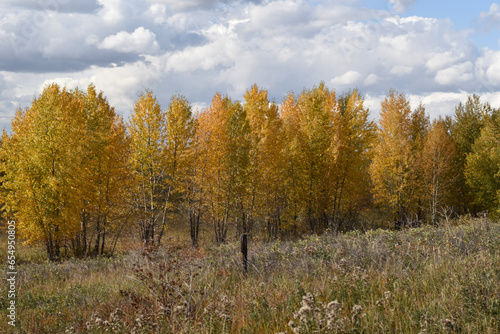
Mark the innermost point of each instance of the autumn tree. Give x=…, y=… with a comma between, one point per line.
x=106, y=174
x=466, y=125
x=223, y=141
x=308, y=124
x=327, y=153
x=419, y=128
x=147, y=130
x=482, y=170
x=349, y=159
x=194, y=199
x=266, y=172
x=394, y=168
x=179, y=133
x=438, y=174
x=67, y=170
x=43, y=164
x=293, y=162
x=239, y=168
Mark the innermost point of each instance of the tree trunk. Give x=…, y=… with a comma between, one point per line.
x=53, y=248
x=103, y=239
x=194, y=222
x=95, y=252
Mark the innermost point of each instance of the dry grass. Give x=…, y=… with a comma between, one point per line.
x=426, y=280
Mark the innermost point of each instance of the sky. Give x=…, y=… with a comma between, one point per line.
x=436, y=52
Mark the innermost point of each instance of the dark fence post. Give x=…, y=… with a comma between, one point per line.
x=487, y=223
x=244, y=252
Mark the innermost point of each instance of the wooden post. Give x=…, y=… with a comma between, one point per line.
x=486, y=222
x=244, y=252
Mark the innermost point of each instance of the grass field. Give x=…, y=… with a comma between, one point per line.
x=423, y=280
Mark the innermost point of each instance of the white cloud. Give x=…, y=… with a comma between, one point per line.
x=113, y=11
x=223, y=30
x=438, y=103
x=157, y=13
x=401, y=5
x=372, y=79
x=444, y=103
x=140, y=41
x=491, y=18
x=64, y=6
x=443, y=59
x=488, y=68
x=186, y=5
x=455, y=74
x=493, y=72
x=493, y=98
x=346, y=79
x=278, y=15
x=120, y=84
x=6, y=99
x=401, y=70
x=205, y=57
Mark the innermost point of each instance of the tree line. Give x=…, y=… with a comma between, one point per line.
x=74, y=174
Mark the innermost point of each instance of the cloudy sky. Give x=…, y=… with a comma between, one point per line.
x=437, y=52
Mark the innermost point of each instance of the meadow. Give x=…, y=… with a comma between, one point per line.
x=442, y=279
